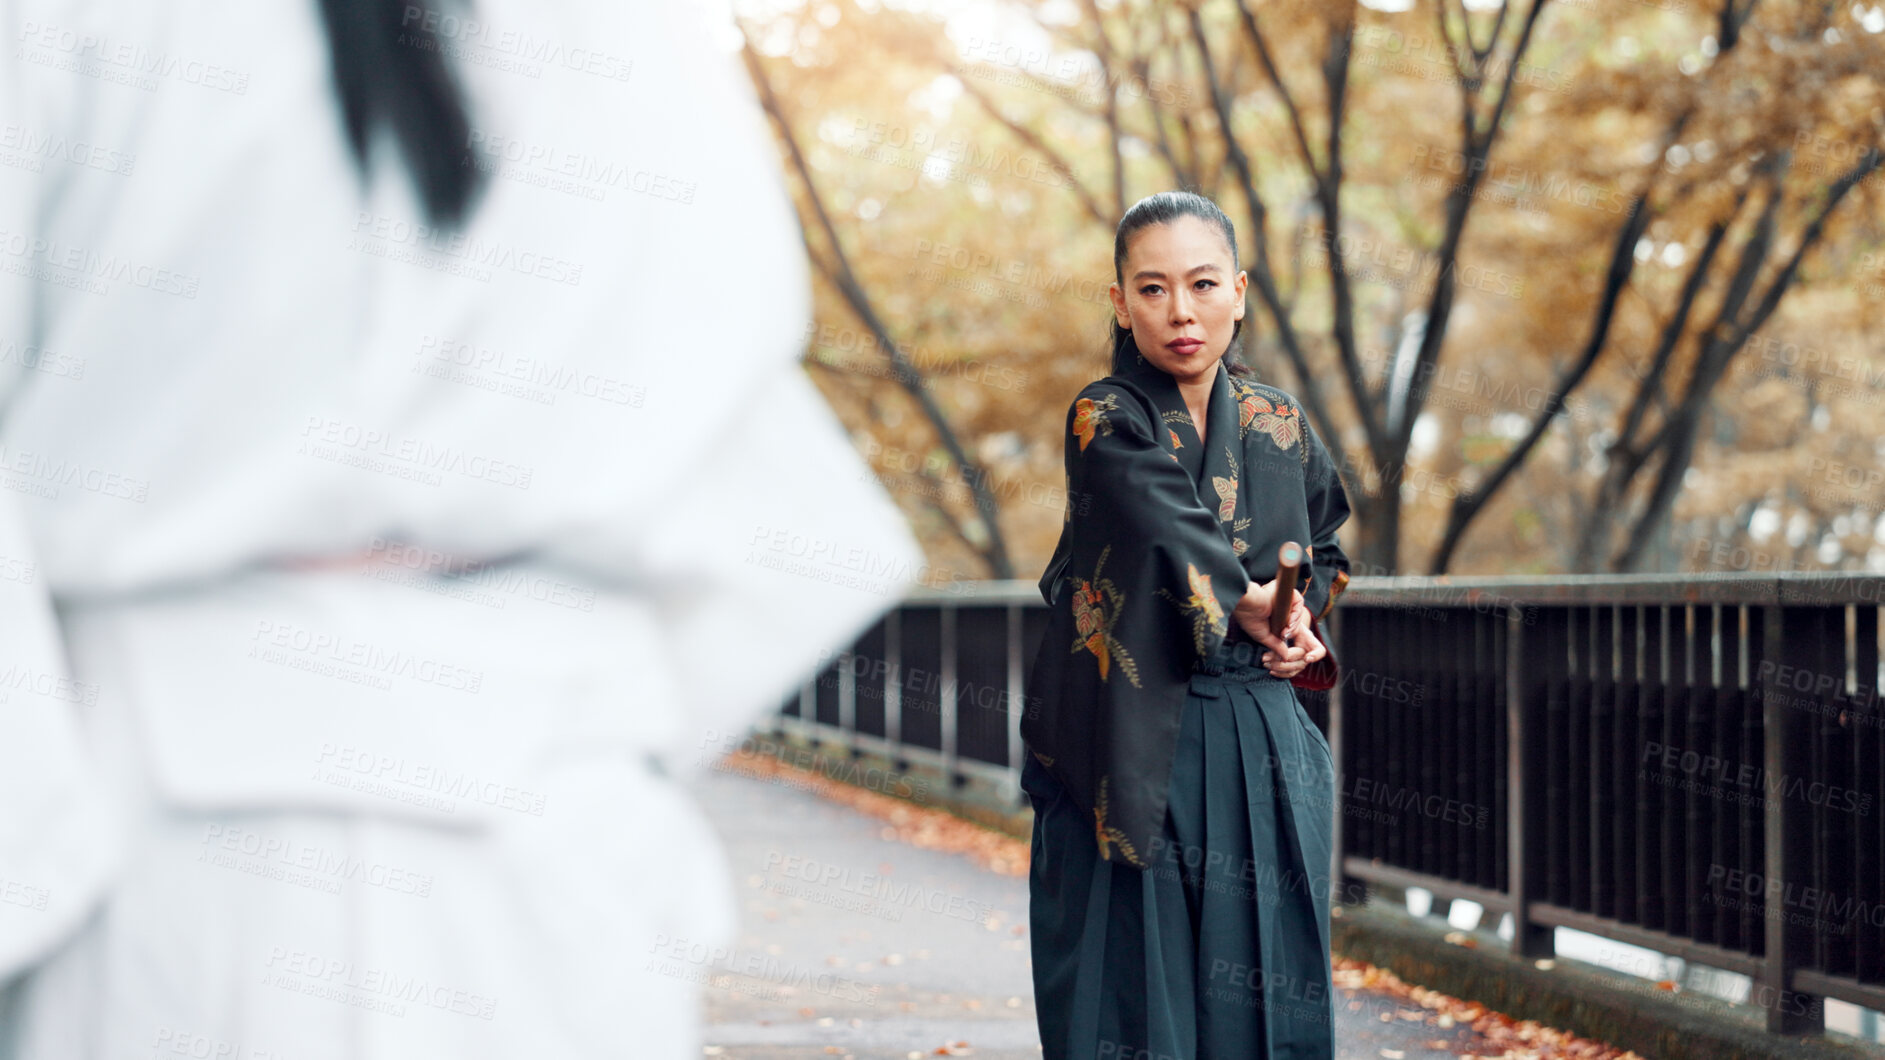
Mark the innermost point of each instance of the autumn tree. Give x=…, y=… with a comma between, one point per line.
x=1507, y=258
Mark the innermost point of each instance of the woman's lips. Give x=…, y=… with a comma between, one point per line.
x=1185, y=345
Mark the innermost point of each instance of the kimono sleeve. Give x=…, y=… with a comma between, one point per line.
x=1328, y=510
x=1135, y=509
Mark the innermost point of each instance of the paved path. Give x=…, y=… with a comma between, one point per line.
x=854, y=945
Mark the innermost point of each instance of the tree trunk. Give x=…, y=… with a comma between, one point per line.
x=1378, y=518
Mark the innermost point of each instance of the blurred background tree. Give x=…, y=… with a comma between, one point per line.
x=1564, y=286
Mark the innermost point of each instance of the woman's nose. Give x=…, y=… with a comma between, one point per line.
x=1181, y=308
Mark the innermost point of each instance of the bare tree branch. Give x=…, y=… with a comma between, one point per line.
x=1181, y=175
x=1478, y=146
x=1725, y=339
x=1111, y=106
x=1498, y=23
x=1729, y=20
x=1468, y=505
x=1249, y=20
x=930, y=500
x=1033, y=139
x=1627, y=458
x=839, y=269
x=1329, y=196
x=1191, y=145
x=1622, y=262
x=1672, y=331
x=1262, y=276
x=1327, y=182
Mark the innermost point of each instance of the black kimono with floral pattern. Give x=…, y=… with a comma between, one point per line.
x=1163, y=531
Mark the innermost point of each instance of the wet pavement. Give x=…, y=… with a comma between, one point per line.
x=863, y=937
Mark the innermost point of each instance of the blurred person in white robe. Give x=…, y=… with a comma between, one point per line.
x=406, y=480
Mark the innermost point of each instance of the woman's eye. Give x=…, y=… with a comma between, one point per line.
x=1149, y=289
x=1207, y=283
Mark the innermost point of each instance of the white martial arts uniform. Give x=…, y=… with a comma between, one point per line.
x=262, y=796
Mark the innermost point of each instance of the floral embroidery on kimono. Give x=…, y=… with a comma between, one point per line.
x=1226, y=496
x=1278, y=420
x=1226, y=491
x=1089, y=418
x=1176, y=444
x=1104, y=834
x=1096, y=608
x=1206, y=613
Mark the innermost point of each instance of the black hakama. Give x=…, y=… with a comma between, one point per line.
x=1220, y=949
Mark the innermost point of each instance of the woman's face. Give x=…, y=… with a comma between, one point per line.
x=1181, y=297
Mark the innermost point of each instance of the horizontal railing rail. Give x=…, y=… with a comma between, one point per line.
x=1690, y=763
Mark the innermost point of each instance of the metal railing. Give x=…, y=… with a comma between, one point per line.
x=1694, y=764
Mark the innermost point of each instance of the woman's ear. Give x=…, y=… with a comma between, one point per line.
x=1123, y=318
x=1243, y=284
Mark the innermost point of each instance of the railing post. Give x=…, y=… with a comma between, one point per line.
x=1786, y=822
x=1524, y=802
x=1347, y=889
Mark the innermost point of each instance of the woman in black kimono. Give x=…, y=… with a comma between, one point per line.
x=1183, y=799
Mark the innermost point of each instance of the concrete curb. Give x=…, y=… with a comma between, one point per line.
x=1583, y=999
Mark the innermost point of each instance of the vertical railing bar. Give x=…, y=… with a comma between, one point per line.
x=1017, y=697
x=1626, y=749
x=1361, y=720
x=1335, y=629
x=1695, y=730
x=1483, y=758
x=947, y=698
x=1432, y=663
x=1660, y=828
x=893, y=679
x=1396, y=722
x=847, y=696
x=1603, y=822
x=1494, y=785
x=1731, y=736
x=1453, y=657
x=1555, y=635
x=1754, y=730
x=1578, y=623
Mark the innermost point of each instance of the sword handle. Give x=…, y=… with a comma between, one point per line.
x=1288, y=563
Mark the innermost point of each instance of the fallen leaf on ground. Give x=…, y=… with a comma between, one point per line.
x=1502, y=1036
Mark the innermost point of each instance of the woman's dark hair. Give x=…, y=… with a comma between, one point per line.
x=389, y=66
x=1164, y=208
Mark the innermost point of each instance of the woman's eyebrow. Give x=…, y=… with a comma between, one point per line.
x=1154, y=274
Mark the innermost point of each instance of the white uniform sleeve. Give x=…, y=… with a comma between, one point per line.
x=783, y=551
x=777, y=546
x=58, y=842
